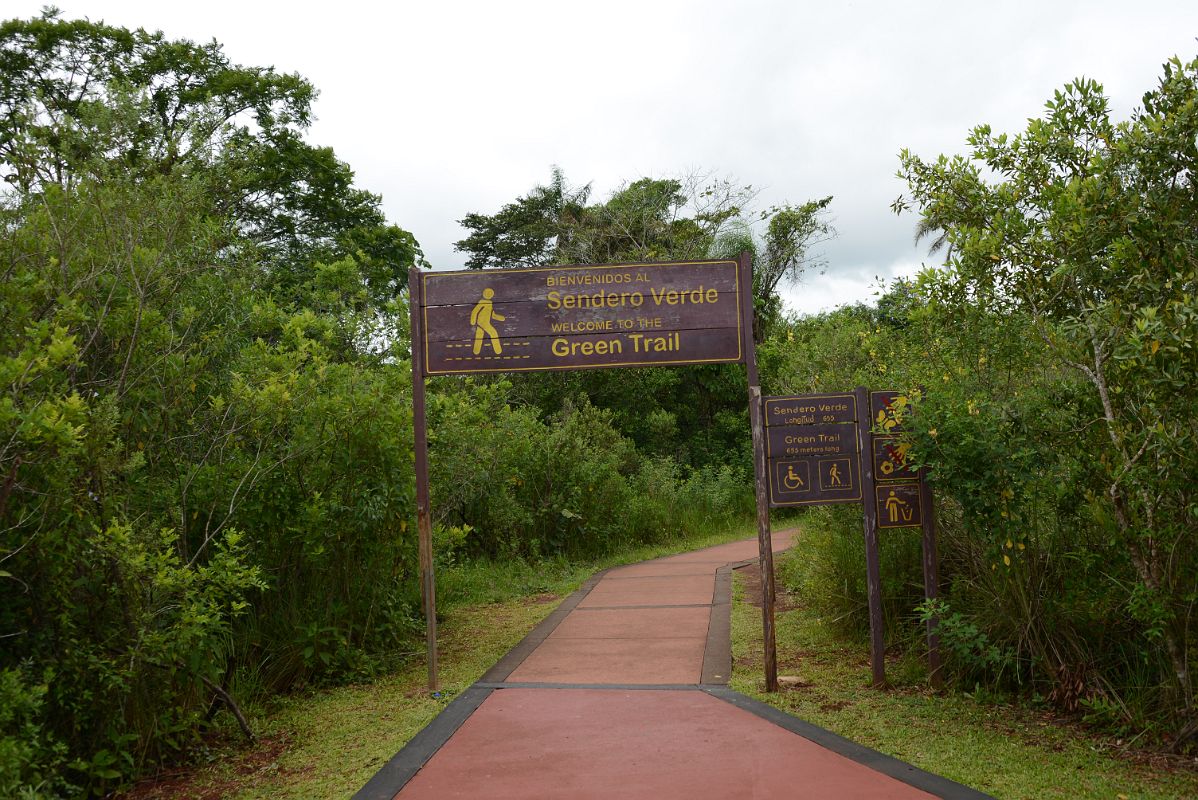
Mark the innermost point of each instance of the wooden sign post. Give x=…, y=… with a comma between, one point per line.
x=583, y=317
x=765, y=539
x=901, y=499
x=815, y=446
x=931, y=577
x=424, y=522
x=873, y=557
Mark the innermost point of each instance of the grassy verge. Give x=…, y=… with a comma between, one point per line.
x=327, y=744
x=1004, y=750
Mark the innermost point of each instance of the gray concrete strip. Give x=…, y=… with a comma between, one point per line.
x=931, y=783
x=515, y=657
x=396, y=773
x=717, y=655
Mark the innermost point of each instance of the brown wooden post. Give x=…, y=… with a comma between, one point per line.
x=873, y=572
x=931, y=576
x=424, y=524
x=765, y=544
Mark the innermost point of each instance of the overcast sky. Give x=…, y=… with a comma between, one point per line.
x=446, y=107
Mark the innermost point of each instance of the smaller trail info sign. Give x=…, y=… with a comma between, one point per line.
x=897, y=496
x=811, y=449
x=581, y=317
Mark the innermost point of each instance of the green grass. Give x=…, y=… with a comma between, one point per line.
x=327, y=744
x=1005, y=750
x=479, y=582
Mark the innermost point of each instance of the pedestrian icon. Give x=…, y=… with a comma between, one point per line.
x=484, y=311
x=836, y=476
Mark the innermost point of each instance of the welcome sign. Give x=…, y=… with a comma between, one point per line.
x=591, y=316
x=581, y=317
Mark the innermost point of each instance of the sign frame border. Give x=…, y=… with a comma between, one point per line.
x=741, y=347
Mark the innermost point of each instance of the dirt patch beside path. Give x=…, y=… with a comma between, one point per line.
x=783, y=600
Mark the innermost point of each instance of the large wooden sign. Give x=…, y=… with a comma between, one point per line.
x=811, y=449
x=581, y=317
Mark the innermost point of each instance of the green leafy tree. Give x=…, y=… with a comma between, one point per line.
x=646, y=220
x=526, y=232
x=788, y=249
x=205, y=461
x=177, y=449
x=694, y=414
x=1088, y=229
x=80, y=99
x=792, y=235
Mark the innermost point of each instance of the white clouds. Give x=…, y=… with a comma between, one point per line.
x=860, y=283
x=450, y=107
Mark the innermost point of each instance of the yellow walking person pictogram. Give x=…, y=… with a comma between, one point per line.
x=481, y=318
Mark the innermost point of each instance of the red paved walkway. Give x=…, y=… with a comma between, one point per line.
x=646, y=625
x=598, y=743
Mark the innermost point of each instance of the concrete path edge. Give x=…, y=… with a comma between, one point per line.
x=717, y=655
x=515, y=657
x=396, y=773
x=879, y=762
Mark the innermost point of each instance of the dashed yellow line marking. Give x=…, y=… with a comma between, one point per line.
x=505, y=344
x=485, y=358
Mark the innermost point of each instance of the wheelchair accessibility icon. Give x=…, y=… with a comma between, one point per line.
x=792, y=477
x=790, y=480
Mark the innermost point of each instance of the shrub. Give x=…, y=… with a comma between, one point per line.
x=31, y=759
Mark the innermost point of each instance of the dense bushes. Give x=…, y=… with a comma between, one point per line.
x=31, y=761
x=195, y=481
x=570, y=484
x=205, y=472
x=827, y=570
x=1056, y=347
x=1084, y=230
x=1039, y=594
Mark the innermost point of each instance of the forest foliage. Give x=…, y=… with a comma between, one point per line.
x=206, y=488
x=1056, y=346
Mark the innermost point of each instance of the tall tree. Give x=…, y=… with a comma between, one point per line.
x=79, y=98
x=526, y=232
x=646, y=219
x=189, y=424
x=695, y=414
x=1089, y=227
